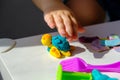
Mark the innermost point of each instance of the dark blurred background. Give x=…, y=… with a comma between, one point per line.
x=21, y=18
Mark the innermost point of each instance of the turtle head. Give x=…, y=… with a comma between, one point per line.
x=46, y=39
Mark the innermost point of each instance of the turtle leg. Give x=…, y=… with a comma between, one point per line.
x=55, y=52
x=66, y=53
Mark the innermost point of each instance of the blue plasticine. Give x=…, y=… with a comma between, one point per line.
x=97, y=75
x=61, y=43
x=110, y=43
x=48, y=49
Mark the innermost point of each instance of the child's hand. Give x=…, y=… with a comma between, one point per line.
x=64, y=20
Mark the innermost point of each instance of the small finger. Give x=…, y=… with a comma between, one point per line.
x=50, y=21
x=75, y=28
x=60, y=25
x=68, y=25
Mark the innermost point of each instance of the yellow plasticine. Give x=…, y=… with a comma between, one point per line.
x=55, y=52
x=67, y=53
x=46, y=39
x=103, y=38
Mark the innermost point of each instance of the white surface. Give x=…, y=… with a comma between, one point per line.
x=29, y=60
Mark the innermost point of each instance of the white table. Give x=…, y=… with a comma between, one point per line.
x=29, y=60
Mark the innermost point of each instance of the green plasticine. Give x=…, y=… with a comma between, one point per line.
x=64, y=75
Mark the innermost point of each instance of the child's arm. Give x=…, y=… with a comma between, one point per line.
x=56, y=14
x=69, y=18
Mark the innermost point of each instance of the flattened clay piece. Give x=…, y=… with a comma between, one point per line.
x=84, y=39
x=98, y=47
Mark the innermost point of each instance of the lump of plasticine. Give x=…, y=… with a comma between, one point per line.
x=57, y=45
x=97, y=75
x=110, y=43
x=84, y=39
x=95, y=45
x=113, y=36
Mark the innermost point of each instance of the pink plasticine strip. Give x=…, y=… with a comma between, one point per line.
x=79, y=65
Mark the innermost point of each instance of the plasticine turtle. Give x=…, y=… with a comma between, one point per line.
x=58, y=46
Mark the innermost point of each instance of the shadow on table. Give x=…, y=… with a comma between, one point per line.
x=78, y=50
x=95, y=53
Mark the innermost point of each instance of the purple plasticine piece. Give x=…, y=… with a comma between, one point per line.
x=79, y=65
x=95, y=45
x=84, y=39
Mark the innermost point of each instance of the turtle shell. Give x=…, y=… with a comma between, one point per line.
x=61, y=43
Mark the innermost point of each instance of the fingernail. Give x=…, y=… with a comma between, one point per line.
x=69, y=40
x=81, y=30
x=63, y=33
x=52, y=26
x=70, y=34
